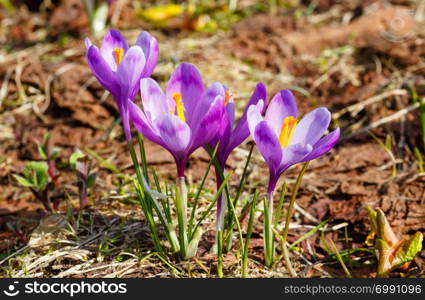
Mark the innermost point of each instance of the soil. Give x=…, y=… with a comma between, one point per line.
x=340, y=55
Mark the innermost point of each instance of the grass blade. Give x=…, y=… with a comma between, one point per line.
x=248, y=235
x=200, y=188
x=205, y=214
x=308, y=234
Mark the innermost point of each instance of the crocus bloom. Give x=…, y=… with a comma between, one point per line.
x=181, y=120
x=283, y=141
x=119, y=67
x=232, y=133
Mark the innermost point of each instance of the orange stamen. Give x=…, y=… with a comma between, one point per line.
x=179, y=105
x=118, y=54
x=227, y=97
x=287, y=130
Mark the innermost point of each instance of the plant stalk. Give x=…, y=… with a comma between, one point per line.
x=268, y=230
x=220, y=254
x=181, y=206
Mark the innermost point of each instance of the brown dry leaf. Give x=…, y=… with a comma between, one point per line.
x=47, y=231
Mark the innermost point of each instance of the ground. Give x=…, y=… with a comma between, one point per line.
x=364, y=60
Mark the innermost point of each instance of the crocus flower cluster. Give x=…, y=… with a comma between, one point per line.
x=186, y=116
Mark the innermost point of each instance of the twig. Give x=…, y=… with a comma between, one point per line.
x=13, y=254
x=355, y=108
x=385, y=120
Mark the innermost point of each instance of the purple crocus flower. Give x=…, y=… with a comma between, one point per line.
x=119, y=67
x=181, y=120
x=232, y=134
x=283, y=141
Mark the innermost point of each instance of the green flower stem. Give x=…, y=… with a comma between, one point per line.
x=144, y=162
x=220, y=254
x=135, y=163
x=181, y=206
x=279, y=209
x=268, y=230
x=289, y=216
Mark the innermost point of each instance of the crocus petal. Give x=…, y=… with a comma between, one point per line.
x=241, y=131
x=125, y=118
x=209, y=125
x=311, y=128
x=175, y=134
x=268, y=144
x=294, y=154
x=87, y=43
x=112, y=39
x=260, y=93
x=324, y=145
x=187, y=81
x=130, y=70
x=150, y=48
x=254, y=118
x=240, y=134
x=153, y=99
x=223, y=138
x=102, y=71
x=143, y=124
x=281, y=106
x=230, y=112
x=214, y=90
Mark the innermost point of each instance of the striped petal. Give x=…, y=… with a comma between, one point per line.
x=187, y=81
x=113, y=39
x=312, y=127
x=281, y=106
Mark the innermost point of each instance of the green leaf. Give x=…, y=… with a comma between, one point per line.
x=37, y=170
x=74, y=157
x=91, y=180
x=103, y=162
x=408, y=249
x=23, y=181
x=55, y=153
x=192, y=248
x=308, y=234
x=42, y=152
x=372, y=217
x=8, y=5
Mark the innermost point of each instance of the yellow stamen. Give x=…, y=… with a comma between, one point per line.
x=288, y=128
x=118, y=54
x=179, y=105
x=227, y=97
